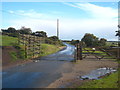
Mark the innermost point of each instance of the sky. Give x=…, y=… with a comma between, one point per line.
x=75, y=18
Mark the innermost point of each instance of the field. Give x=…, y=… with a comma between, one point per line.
x=111, y=43
x=8, y=41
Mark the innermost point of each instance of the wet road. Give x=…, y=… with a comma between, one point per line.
x=40, y=74
x=65, y=55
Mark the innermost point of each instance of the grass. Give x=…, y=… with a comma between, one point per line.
x=111, y=43
x=13, y=54
x=47, y=49
x=110, y=81
x=8, y=41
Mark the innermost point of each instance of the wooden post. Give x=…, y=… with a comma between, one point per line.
x=75, y=53
x=118, y=48
x=25, y=50
x=18, y=38
x=25, y=43
x=80, y=51
x=39, y=45
x=33, y=46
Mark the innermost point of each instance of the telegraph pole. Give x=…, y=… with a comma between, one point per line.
x=58, y=28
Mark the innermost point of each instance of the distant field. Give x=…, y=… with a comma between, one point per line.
x=8, y=41
x=111, y=43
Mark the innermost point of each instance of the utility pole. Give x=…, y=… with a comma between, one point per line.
x=58, y=28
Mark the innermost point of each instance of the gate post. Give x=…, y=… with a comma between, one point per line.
x=78, y=51
x=18, y=38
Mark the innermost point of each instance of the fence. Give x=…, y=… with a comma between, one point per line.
x=98, y=53
x=32, y=45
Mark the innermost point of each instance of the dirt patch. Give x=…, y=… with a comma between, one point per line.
x=82, y=67
x=7, y=59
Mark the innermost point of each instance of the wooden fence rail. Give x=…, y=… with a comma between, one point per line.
x=32, y=45
x=81, y=53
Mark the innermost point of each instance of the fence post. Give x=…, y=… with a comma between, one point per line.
x=25, y=50
x=25, y=43
x=80, y=51
x=118, y=48
x=75, y=53
x=18, y=38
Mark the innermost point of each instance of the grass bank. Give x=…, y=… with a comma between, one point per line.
x=47, y=49
x=17, y=52
x=8, y=41
x=110, y=81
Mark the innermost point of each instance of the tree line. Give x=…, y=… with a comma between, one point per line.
x=23, y=30
x=90, y=40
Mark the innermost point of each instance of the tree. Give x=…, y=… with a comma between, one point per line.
x=25, y=30
x=118, y=34
x=90, y=40
x=4, y=31
x=102, y=42
x=11, y=30
x=41, y=33
x=54, y=38
x=74, y=41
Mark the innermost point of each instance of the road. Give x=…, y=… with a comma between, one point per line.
x=39, y=74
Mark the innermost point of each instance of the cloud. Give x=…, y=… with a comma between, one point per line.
x=46, y=25
x=28, y=13
x=11, y=11
x=96, y=11
x=103, y=22
x=70, y=28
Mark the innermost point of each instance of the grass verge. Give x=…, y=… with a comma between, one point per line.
x=47, y=49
